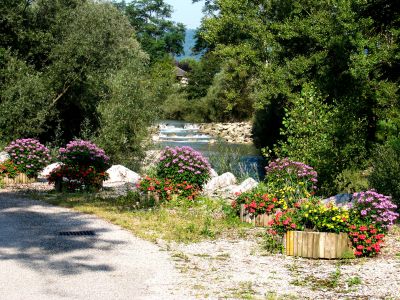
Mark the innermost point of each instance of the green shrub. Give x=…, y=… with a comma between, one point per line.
x=385, y=177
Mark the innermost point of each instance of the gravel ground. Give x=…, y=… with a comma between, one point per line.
x=223, y=269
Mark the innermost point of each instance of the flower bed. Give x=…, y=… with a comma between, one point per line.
x=262, y=220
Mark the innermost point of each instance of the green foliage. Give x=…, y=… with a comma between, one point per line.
x=351, y=181
x=385, y=175
x=57, y=61
x=158, y=35
x=273, y=244
x=271, y=50
x=125, y=114
x=309, y=132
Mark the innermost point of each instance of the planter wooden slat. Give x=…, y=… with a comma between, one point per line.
x=19, y=179
x=260, y=220
x=316, y=244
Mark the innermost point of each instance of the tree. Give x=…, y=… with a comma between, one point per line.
x=158, y=35
x=57, y=76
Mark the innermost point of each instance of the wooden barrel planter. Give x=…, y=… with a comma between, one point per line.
x=316, y=244
x=259, y=220
x=19, y=179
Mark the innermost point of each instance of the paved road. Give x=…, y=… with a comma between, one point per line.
x=37, y=263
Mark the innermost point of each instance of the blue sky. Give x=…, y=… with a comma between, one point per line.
x=187, y=13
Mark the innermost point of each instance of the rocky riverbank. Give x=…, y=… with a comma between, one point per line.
x=236, y=132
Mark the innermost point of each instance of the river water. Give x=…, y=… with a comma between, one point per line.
x=243, y=160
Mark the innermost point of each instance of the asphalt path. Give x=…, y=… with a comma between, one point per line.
x=36, y=262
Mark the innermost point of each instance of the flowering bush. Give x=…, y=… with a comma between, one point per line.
x=78, y=177
x=29, y=156
x=366, y=239
x=257, y=203
x=323, y=217
x=376, y=208
x=183, y=164
x=165, y=188
x=84, y=166
x=9, y=169
x=291, y=180
x=313, y=215
x=285, y=221
x=84, y=153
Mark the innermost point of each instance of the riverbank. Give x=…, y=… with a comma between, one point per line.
x=235, y=132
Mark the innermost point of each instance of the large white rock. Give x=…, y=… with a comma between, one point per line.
x=4, y=156
x=213, y=173
x=220, y=182
x=121, y=174
x=47, y=170
x=245, y=186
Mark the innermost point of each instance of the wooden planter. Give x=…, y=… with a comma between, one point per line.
x=19, y=179
x=316, y=244
x=260, y=220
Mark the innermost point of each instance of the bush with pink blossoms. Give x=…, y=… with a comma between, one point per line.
x=28, y=155
x=181, y=164
x=84, y=154
x=376, y=208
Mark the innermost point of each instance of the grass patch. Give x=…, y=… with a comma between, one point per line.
x=354, y=281
x=245, y=290
x=180, y=221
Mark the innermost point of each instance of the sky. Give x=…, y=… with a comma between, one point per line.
x=187, y=13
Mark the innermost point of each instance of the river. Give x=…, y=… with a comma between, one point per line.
x=243, y=160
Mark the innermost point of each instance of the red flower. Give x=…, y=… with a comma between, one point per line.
x=353, y=227
x=363, y=228
x=362, y=236
x=355, y=240
x=368, y=241
x=357, y=253
x=293, y=225
x=373, y=231
x=360, y=247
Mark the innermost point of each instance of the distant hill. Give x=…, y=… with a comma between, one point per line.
x=190, y=41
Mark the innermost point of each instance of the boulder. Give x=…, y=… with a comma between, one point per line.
x=121, y=175
x=47, y=170
x=340, y=199
x=245, y=186
x=213, y=173
x=220, y=182
x=4, y=156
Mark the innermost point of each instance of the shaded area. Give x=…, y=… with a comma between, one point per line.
x=30, y=235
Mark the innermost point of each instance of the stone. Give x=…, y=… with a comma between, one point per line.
x=119, y=175
x=47, y=170
x=213, y=173
x=340, y=199
x=245, y=186
x=219, y=182
x=4, y=156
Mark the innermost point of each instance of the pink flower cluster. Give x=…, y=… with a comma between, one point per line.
x=285, y=166
x=29, y=155
x=79, y=147
x=183, y=164
x=378, y=207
